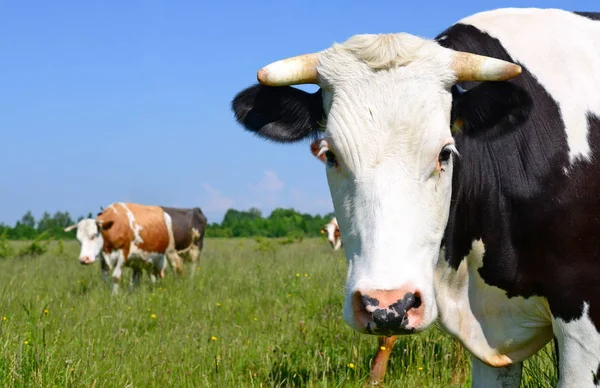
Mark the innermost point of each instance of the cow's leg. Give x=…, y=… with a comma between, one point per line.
x=104, y=268
x=485, y=376
x=175, y=261
x=159, y=264
x=194, y=257
x=382, y=357
x=578, y=351
x=135, y=278
x=118, y=271
x=152, y=274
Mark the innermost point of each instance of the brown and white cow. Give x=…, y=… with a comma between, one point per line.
x=140, y=236
x=332, y=230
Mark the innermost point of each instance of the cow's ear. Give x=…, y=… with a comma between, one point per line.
x=106, y=225
x=315, y=148
x=283, y=114
x=490, y=109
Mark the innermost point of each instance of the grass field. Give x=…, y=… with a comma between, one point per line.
x=256, y=314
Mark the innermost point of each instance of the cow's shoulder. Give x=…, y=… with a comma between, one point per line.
x=114, y=227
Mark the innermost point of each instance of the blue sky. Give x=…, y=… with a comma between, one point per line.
x=104, y=101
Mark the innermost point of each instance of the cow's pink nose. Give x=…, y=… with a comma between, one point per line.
x=388, y=312
x=85, y=260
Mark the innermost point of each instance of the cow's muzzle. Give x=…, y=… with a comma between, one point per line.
x=86, y=260
x=387, y=312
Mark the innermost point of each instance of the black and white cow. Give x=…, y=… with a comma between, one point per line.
x=431, y=149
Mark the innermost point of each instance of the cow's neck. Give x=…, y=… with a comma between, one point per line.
x=483, y=318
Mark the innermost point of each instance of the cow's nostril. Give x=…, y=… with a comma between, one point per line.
x=417, y=303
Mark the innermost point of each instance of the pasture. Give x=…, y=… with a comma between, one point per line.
x=264, y=313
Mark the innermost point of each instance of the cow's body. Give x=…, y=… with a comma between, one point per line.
x=430, y=150
x=332, y=230
x=140, y=236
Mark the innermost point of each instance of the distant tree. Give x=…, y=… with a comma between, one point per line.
x=236, y=223
x=28, y=220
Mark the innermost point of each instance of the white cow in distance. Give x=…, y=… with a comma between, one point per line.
x=332, y=230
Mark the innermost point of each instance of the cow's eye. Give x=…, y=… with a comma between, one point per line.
x=445, y=155
x=330, y=157
x=92, y=237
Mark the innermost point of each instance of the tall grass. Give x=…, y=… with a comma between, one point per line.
x=261, y=313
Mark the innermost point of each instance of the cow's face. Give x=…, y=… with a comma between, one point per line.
x=332, y=232
x=388, y=152
x=90, y=238
x=388, y=149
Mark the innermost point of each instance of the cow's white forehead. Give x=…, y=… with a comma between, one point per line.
x=364, y=57
x=87, y=228
x=387, y=95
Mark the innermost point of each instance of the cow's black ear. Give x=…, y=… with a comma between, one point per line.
x=283, y=114
x=107, y=225
x=490, y=108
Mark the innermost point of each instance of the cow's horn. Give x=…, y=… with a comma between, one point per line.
x=70, y=228
x=473, y=67
x=301, y=69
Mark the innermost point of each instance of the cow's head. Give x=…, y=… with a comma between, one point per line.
x=332, y=231
x=90, y=238
x=384, y=111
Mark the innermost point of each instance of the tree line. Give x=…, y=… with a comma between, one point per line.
x=236, y=223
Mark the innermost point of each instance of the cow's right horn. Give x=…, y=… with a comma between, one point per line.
x=301, y=69
x=473, y=67
x=70, y=228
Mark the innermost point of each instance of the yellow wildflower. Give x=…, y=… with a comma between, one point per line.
x=305, y=275
x=382, y=348
x=297, y=275
x=46, y=311
x=218, y=304
x=351, y=366
x=4, y=318
x=153, y=316
x=26, y=342
x=256, y=319
x=420, y=368
x=213, y=338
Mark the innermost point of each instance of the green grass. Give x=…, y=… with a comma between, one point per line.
x=256, y=314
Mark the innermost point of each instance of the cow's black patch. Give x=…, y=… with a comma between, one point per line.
x=596, y=376
x=182, y=221
x=368, y=301
x=282, y=114
x=589, y=15
x=539, y=225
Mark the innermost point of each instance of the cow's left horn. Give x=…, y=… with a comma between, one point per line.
x=473, y=67
x=301, y=69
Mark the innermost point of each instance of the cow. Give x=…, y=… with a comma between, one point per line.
x=140, y=236
x=463, y=173
x=332, y=231
x=92, y=242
